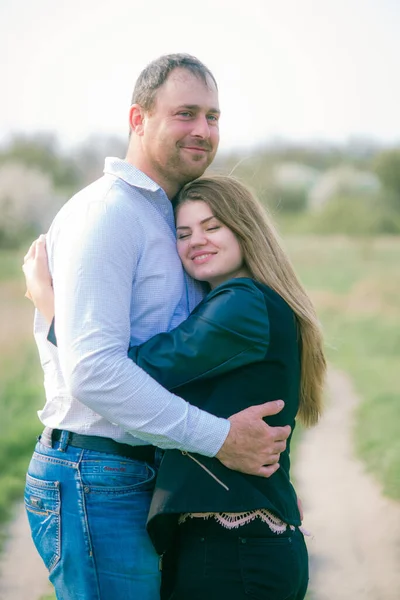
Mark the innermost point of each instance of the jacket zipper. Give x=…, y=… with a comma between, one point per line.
x=205, y=469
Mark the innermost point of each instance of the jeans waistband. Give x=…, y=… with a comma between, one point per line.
x=97, y=444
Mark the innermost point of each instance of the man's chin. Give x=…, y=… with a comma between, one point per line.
x=196, y=169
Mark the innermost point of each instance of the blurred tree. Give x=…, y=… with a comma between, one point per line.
x=387, y=167
x=89, y=156
x=41, y=151
x=291, y=184
x=355, y=215
x=345, y=181
x=28, y=202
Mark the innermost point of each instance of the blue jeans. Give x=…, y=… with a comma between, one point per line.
x=87, y=512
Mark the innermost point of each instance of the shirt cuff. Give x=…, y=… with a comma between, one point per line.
x=209, y=435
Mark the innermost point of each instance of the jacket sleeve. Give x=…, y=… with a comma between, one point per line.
x=229, y=329
x=51, y=336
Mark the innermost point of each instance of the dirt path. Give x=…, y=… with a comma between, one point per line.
x=22, y=573
x=355, y=548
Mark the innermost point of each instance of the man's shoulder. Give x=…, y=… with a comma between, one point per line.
x=109, y=192
x=107, y=189
x=103, y=208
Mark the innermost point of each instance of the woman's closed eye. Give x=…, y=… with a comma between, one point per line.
x=183, y=236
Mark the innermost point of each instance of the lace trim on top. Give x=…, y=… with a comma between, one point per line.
x=235, y=520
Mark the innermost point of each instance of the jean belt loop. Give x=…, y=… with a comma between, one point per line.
x=158, y=456
x=64, y=441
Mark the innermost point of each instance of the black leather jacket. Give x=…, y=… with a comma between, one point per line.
x=238, y=348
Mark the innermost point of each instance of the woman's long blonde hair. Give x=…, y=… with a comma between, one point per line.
x=235, y=206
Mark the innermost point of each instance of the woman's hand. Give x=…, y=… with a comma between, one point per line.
x=300, y=507
x=39, y=287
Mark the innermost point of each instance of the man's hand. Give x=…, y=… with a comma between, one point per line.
x=252, y=446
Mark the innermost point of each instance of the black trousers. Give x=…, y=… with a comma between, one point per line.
x=209, y=562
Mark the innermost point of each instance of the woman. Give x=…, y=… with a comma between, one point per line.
x=254, y=338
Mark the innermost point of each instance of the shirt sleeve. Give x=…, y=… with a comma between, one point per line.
x=229, y=329
x=93, y=258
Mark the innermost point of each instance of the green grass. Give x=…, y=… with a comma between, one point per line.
x=49, y=597
x=369, y=349
x=356, y=286
x=11, y=263
x=337, y=263
x=21, y=395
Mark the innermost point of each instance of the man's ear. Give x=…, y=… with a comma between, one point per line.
x=136, y=119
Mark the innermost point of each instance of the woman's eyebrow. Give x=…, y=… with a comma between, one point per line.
x=201, y=223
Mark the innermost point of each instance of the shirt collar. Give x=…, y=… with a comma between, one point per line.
x=130, y=174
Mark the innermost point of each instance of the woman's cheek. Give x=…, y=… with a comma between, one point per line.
x=179, y=247
x=182, y=253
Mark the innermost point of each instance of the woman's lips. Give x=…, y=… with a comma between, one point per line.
x=204, y=257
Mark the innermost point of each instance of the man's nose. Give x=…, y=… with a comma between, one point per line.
x=201, y=127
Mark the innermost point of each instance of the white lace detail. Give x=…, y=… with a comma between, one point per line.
x=235, y=520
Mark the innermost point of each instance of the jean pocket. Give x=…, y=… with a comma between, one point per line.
x=43, y=506
x=269, y=569
x=113, y=476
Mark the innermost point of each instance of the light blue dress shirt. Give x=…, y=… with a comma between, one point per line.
x=118, y=281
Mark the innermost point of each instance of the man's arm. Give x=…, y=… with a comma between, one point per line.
x=250, y=443
x=228, y=330
x=94, y=263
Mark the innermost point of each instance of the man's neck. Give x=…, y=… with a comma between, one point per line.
x=170, y=188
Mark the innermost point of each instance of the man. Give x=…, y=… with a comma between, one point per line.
x=118, y=281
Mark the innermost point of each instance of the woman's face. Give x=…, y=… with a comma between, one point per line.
x=208, y=249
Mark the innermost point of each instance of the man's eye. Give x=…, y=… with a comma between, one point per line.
x=185, y=113
x=213, y=118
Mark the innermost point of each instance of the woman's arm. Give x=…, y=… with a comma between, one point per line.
x=229, y=329
x=39, y=288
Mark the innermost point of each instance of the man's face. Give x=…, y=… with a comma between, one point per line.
x=180, y=133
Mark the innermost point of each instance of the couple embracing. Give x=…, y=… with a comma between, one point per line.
x=178, y=347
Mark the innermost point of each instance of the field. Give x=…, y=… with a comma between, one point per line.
x=20, y=382
x=356, y=287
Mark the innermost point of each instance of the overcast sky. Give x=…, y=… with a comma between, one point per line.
x=296, y=69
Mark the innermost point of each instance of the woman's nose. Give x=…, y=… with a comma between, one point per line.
x=198, y=238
